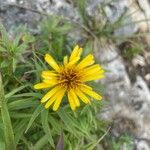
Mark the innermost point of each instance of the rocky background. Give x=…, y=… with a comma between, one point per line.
x=127, y=82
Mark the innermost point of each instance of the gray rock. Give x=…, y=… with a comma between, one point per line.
x=60, y=7
x=13, y=16
x=117, y=12
x=142, y=145
x=139, y=61
x=145, y=7
x=140, y=96
x=129, y=102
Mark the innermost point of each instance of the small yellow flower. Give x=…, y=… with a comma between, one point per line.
x=70, y=79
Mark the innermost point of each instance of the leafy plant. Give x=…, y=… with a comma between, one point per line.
x=54, y=36
x=12, y=51
x=29, y=125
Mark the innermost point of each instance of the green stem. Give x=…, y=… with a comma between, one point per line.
x=8, y=131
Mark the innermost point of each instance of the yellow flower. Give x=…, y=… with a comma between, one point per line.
x=70, y=79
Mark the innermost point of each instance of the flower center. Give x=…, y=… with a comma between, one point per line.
x=69, y=78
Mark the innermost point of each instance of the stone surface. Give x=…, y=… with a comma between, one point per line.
x=28, y=12
x=129, y=102
x=142, y=145
x=13, y=16
x=115, y=11
x=60, y=7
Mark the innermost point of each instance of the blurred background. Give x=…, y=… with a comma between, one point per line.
x=117, y=31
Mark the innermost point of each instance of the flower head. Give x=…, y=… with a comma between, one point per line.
x=70, y=79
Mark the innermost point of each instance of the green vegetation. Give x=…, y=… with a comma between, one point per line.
x=131, y=48
x=31, y=126
x=124, y=141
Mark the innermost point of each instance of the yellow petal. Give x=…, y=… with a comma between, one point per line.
x=74, y=61
x=87, y=61
x=71, y=101
x=75, y=53
x=58, y=99
x=50, y=102
x=80, y=52
x=65, y=60
x=86, y=86
x=41, y=86
x=93, y=69
x=91, y=93
x=82, y=96
x=50, y=81
x=48, y=74
x=50, y=93
x=50, y=60
x=74, y=96
x=94, y=77
x=54, y=98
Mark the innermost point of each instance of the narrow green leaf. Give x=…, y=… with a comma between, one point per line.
x=21, y=49
x=2, y=139
x=41, y=142
x=19, y=129
x=67, y=120
x=35, y=114
x=45, y=124
x=38, y=95
x=72, y=123
x=2, y=49
x=22, y=104
x=4, y=34
x=2, y=143
x=27, y=38
x=92, y=147
x=4, y=63
x=14, y=64
x=15, y=91
x=8, y=131
x=55, y=123
x=17, y=115
x=16, y=40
